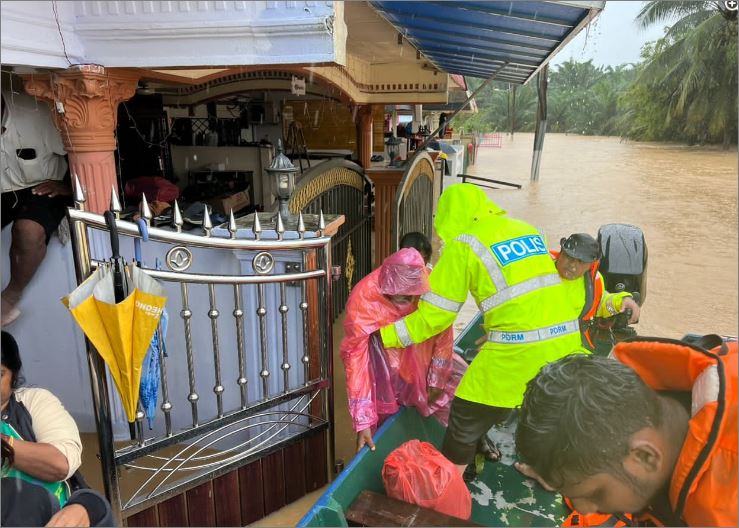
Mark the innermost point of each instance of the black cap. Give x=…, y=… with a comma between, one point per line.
x=581, y=246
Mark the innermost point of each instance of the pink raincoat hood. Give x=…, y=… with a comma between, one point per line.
x=404, y=273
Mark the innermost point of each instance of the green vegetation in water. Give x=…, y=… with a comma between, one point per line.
x=683, y=89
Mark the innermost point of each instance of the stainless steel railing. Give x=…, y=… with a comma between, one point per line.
x=275, y=286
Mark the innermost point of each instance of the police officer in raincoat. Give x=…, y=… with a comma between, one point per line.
x=506, y=266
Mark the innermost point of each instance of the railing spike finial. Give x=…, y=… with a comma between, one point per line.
x=232, y=224
x=301, y=225
x=321, y=222
x=280, y=226
x=145, y=211
x=79, y=195
x=207, y=222
x=177, y=217
x=257, y=228
x=115, y=204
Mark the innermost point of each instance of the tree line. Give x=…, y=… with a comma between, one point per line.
x=683, y=89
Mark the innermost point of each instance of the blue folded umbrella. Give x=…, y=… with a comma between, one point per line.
x=150, y=370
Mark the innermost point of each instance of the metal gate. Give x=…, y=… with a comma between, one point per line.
x=340, y=187
x=247, y=371
x=414, y=200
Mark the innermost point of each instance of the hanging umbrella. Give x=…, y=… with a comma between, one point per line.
x=120, y=331
x=119, y=289
x=151, y=370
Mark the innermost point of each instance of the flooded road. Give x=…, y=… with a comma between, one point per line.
x=683, y=198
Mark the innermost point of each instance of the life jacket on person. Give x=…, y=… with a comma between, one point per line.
x=593, y=296
x=596, y=519
x=703, y=487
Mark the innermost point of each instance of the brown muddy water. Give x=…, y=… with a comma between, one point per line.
x=683, y=198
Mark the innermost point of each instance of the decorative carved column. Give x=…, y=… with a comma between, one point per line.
x=364, y=135
x=84, y=103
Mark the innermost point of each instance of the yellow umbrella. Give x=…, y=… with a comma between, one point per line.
x=120, y=332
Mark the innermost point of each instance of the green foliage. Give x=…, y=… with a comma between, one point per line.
x=686, y=88
x=683, y=89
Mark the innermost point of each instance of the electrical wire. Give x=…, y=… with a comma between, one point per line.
x=59, y=27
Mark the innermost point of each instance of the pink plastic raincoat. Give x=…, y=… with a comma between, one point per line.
x=379, y=380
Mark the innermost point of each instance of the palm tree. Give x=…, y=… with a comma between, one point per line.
x=694, y=64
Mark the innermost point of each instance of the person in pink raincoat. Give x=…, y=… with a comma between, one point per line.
x=379, y=380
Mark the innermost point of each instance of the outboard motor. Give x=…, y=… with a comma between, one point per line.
x=623, y=261
x=623, y=265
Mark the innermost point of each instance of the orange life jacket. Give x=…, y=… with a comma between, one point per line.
x=703, y=488
x=593, y=295
x=596, y=519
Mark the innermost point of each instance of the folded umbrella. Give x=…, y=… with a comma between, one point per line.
x=151, y=370
x=120, y=331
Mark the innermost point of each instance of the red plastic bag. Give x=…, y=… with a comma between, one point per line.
x=155, y=188
x=417, y=473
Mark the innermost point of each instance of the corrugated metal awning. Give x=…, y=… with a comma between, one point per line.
x=476, y=38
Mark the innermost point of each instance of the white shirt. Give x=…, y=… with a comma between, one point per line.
x=28, y=125
x=52, y=424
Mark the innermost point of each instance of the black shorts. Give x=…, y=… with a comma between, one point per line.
x=468, y=422
x=24, y=205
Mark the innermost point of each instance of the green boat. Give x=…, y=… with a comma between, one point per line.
x=501, y=496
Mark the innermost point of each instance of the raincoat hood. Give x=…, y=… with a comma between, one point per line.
x=404, y=273
x=459, y=206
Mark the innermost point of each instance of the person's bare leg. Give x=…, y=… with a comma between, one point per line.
x=27, y=251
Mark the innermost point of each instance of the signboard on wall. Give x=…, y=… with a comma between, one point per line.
x=297, y=86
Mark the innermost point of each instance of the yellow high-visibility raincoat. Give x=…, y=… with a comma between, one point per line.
x=506, y=266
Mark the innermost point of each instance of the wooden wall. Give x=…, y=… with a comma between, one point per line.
x=378, y=124
x=336, y=128
x=247, y=494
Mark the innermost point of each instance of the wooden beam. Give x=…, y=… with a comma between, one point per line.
x=373, y=509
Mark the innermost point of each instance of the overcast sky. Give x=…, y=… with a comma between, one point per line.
x=613, y=38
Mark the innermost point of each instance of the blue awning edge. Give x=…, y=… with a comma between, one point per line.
x=476, y=38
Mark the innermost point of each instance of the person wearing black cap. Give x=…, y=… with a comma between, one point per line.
x=577, y=263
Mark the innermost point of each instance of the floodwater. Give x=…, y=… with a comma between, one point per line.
x=683, y=198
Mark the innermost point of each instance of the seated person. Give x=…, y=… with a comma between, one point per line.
x=609, y=436
x=34, y=194
x=577, y=264
x=41, y=454
x=379, y=380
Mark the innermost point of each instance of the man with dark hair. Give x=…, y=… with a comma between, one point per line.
x=599, y=431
